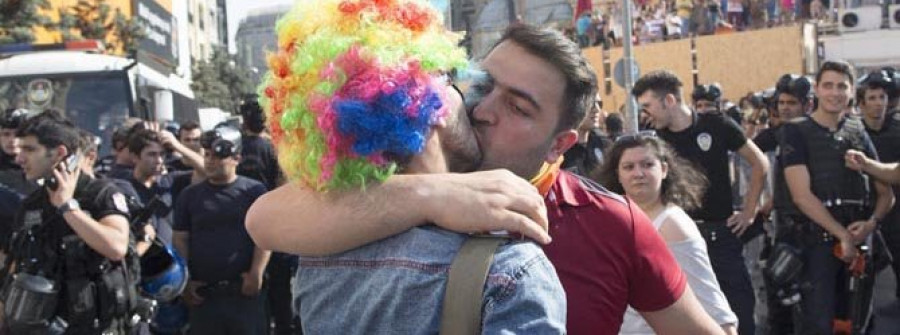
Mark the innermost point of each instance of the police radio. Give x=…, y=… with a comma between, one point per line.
x=72, y=162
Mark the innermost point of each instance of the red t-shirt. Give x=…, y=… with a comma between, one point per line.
x=607, y=255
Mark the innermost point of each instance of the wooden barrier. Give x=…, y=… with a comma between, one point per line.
x=741, y=62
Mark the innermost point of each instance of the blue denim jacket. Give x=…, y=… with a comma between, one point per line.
x=396, y=286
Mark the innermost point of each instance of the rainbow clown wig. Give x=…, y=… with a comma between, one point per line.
x=355, y=84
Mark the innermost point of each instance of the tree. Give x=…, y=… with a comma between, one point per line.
x=19, y=17
x=220, y=81
x=95, y=19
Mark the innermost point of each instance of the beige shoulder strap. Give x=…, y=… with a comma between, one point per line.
x=461, y=313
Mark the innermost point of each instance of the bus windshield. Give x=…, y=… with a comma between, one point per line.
x=97, y=102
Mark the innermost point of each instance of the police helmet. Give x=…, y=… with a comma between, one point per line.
x=223, y=140
x=163, y=273
x=895, y=77
x=798, y=86
x=252, y=113
x=710, y=92
x=12, y=118
x=880, y=79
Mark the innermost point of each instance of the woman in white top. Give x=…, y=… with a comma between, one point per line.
x=647, y=170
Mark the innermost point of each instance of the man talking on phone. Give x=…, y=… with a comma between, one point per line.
x=70, y=237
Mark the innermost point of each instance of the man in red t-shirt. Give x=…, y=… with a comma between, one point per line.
x=536, y=89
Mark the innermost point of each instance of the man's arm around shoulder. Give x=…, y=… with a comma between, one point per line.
x=295, y=219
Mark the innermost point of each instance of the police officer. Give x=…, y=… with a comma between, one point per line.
x=707, y=98
x=873, y=94
x=258, y=159
x=828, y=204
x=12, y=180
x=587, y=153
x=9, y=121
x=791, y=99
x=71, y=237
x=226, y=267
x=707, y=139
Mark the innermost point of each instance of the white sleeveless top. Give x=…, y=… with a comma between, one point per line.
x=694, y=261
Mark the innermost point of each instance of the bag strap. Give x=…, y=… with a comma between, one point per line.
x=461, y=313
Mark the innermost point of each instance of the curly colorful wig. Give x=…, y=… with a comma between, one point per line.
x=355, y=84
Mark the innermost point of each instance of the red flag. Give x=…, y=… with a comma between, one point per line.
x=583, y=6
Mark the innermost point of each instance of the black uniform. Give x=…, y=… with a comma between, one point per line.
x=887, y=142
x=8, y=162
x=258, y=161
x=582, y=158
x=220, y=250
x=707, y=143
x=846, y=194
x=164, y=190
x=95, y=294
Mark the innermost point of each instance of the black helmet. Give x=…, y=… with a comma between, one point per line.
x=798, y=86
x=224, y=141
x=710, y=92
x=12, y=118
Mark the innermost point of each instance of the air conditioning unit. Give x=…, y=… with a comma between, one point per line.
x=894, y=16
x=859, y=19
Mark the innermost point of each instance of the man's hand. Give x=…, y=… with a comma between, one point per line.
x=66, y=182
x=491, y=201
x=740, y=221
x=848, y=250
x=856, y=160
x=191, y=298
x=860, y=230
x=251, y=283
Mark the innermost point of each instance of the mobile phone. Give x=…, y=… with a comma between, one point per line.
x=72, y=162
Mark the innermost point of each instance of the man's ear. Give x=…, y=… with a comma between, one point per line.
x=561, y=143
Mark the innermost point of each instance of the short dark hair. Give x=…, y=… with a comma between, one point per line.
x=51, y=129
x=684, y=185
x=614, y=124
x=862, y=89
x=140, y=139
x=838, y=66
x=188, y=126
x=554, y=48
x=661, y=82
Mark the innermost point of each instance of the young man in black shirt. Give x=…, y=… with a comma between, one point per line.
x=834, y=205
x=873, y=94
x=706, y=139
x=226, y=267
x=73, y=232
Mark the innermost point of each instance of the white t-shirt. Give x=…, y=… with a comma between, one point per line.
x=694, y=261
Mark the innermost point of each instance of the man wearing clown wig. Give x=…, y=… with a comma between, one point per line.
x=358, y=91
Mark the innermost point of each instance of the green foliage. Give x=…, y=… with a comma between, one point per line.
x=18, y=17
x=220, y=81
x=94, y=19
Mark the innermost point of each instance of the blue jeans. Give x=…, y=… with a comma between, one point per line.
x=727, y=258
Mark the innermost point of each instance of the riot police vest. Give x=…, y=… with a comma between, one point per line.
x=93, y=292
x=830, y=181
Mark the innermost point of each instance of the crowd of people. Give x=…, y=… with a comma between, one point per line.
x=393, y=159
x=150, y=239
x=664, y=20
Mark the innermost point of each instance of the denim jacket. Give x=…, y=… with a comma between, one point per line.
x=396, y=286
